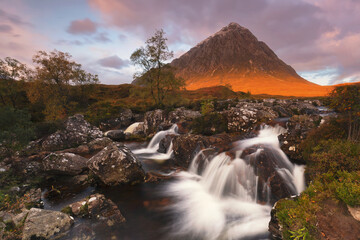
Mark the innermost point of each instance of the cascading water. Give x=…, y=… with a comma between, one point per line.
x=224, y=198
x=151, y=151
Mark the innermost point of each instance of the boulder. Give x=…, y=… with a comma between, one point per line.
x=186, y=146
x=123, y=119
x=298, y=127
x=64, y=163
x=245, y=115
x=152, y=121
x=116, y=135
x=266, y=162
x=98, y=207
x=182, y=114
x=135, y=129
x=115, y=165
x=46, y=224
x=90, y=148
x=77, y=131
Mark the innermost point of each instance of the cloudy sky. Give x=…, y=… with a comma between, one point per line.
x=319, y=38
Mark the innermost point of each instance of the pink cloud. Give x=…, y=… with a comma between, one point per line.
x=85, y=26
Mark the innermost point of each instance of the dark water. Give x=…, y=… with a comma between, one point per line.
x=142, y=206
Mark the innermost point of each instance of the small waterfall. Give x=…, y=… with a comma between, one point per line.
x=151, y=151
x=224, y=198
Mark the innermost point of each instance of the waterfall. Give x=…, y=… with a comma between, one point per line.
x=151, y=151
x=224, y=198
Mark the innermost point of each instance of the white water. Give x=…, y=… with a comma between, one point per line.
x=218, y=198
x=151, y=151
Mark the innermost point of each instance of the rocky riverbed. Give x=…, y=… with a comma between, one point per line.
x=94, y=184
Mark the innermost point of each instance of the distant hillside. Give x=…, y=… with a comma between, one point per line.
x=234, y=56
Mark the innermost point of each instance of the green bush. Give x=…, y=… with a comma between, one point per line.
x=298, y=216
x=207, y=107
x=334, y=129
x=46, y=128
x=348, y=188
x=333, y=156
x=16, y=129
x=210, y=124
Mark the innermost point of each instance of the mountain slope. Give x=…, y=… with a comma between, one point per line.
x=234, y=56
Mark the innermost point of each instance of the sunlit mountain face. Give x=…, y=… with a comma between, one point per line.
x=234, y=57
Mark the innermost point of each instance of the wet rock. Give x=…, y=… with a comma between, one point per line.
x=64, y=163
x=98, y=207
x=77, y=131
x=298, y=127
x=266, y=162
x=152, y=121
x=182, y=114
x=87, y=149
x=282, y=111
x=46, y=224
x=83, y=232
x=186, y=146
x=115, y=165
x=116, y=135
x=245, y=115
x=122, y=120
x=274, y=226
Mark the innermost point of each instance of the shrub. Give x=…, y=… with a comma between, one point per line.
x=16, y=129
x=334, y=129
x=333, y=156
x=207, y=107
x=348, y=188
x=210, y=124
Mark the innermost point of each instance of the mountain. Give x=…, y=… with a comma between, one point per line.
x=234, y=56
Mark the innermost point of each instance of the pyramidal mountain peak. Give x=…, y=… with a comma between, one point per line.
x=234, y=56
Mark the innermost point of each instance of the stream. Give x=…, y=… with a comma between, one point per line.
x=220, y=196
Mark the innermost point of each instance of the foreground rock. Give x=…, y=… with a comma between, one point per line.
x=333, y=222
x=115, y=165
x=77, y=131
x=266, y=163
x=116, y=135
x=98, y=207
x=298, y=127
x=46, y=224
x=186, y=146
x=64, y=163
x=123, y=119
x=152, y=121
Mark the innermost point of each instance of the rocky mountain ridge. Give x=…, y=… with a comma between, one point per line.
x=234, y=56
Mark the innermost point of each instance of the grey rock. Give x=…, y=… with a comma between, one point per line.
x=123, y=119
x=64, y=163
x=98, y=207
x=46, y=224
x=77, y=131
x=115, y=165
x=152, y=120
x=116, y=135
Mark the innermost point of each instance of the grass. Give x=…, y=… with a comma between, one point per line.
x=298, y=216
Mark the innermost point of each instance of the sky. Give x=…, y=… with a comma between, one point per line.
x=320, y=39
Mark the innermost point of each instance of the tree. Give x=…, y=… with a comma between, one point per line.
x=346, y=101
x=157, y=76
x=13, y=74
x=55, y=81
